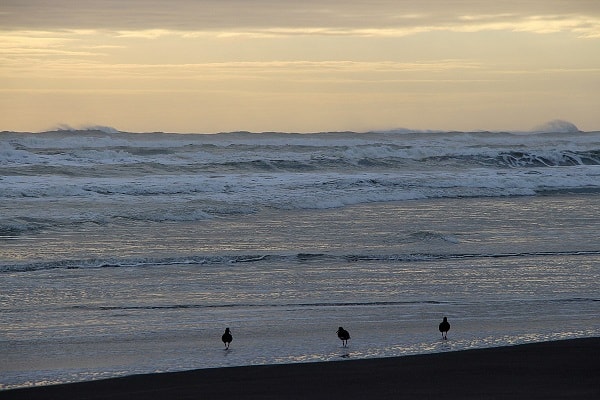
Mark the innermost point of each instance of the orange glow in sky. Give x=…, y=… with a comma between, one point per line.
x=270, y=65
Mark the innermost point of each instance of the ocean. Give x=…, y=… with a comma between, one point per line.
x=126, y=253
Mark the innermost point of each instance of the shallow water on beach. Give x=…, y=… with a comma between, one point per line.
x=103, y=301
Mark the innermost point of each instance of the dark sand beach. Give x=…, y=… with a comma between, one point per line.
x=568, y=369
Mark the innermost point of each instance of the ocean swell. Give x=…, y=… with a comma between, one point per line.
x=58, y=179
x=224, y=261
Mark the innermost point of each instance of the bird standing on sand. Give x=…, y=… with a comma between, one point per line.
x=444, y=328
x=227, y=338
x=344, y=335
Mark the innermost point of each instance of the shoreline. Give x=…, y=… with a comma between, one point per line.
x=549, y=370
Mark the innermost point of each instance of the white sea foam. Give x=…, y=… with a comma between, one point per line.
x=187, y=177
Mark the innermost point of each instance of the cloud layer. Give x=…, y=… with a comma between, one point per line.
x=215, y=65
x=309, y=17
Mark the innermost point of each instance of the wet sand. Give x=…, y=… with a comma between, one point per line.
x=568, y=369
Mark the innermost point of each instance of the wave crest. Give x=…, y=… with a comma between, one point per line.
x=557, y=126
x=228, y=260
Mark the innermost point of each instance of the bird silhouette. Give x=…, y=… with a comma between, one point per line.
x=444, y=328
x=344, y=335
x=227, y=338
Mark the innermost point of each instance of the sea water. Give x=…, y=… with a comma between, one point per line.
x=127, y=253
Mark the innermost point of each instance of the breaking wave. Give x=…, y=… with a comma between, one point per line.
x=64, y=178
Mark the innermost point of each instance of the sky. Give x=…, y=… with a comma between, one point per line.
x=209, y=66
